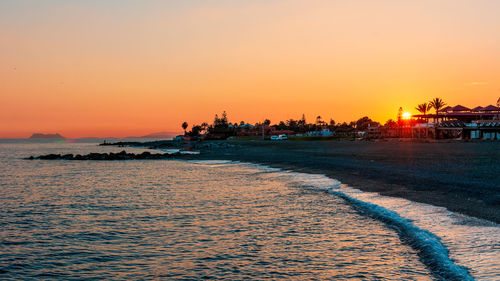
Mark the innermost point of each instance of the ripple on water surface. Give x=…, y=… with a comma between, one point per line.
x=170, y=219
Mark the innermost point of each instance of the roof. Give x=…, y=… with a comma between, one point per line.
x=446, y=108
x=478, y=108
x=456, y=114
x=246, y=125
x=460, y=108
x=491, y=108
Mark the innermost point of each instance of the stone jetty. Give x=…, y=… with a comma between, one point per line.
x=123, y=155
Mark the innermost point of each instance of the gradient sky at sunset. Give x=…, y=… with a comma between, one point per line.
x=122, y=67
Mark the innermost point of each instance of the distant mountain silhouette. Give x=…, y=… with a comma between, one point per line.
x=157, y=135
x=46, y=136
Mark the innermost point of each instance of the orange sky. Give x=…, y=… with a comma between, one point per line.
x=122, y=67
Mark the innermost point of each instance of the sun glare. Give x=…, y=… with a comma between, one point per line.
x=406, y=115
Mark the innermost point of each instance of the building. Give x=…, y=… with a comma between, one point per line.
x=322, y=133
x=460, y=122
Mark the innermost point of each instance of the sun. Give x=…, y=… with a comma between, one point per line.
x=406, y=115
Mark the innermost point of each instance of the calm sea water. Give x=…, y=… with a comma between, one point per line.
x=221, y=220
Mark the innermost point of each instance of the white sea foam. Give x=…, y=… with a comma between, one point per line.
x=213, y=162
x=453, y=245
x=174, y=150
x=472, y=242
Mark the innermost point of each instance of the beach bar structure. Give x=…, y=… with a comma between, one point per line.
x=460, y=122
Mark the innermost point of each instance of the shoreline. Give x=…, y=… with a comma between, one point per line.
x=460, y=177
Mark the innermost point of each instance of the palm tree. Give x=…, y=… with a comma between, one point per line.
x=437, y=103
x=204, y=127
x=184, y=126
x=424, y=108
x=318, y=120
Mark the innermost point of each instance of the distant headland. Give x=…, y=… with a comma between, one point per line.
x=46, y=136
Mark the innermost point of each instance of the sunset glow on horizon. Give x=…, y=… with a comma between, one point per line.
x=129, y=68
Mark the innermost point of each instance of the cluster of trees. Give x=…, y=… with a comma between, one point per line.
x=436, y=103
x=221, y=128
x=301, y=125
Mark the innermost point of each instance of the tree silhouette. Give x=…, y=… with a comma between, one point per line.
x=390, y=124
x=195, y=131
x=224, y=117
x=204, y=126
x=400, y=115
x=184, y=126
x=424, y=108
x=437, y=104
x=363, y=123
x=318, y=120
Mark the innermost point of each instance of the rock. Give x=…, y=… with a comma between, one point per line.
x=123, y=155
x=49, y=156
x=68, y=157
x=97, y=156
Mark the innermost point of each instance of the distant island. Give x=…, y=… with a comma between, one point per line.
x=46, y=136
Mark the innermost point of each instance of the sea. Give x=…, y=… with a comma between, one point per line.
x=223, y=220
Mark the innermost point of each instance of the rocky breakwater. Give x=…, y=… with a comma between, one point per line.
x=123, y=155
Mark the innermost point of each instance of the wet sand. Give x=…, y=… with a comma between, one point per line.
x=463, y=177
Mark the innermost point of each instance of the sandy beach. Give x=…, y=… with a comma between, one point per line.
x=463, y=177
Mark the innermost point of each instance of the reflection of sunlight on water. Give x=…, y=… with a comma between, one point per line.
x=174, y=219
x=209, y=218
x=473, y=243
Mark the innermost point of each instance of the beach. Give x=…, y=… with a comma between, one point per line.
x=461, y=176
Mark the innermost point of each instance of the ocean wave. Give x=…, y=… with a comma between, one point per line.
x=433, y=253
x=453, y=246
x=431, y=250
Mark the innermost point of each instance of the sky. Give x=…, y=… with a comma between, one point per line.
x=122, y=68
